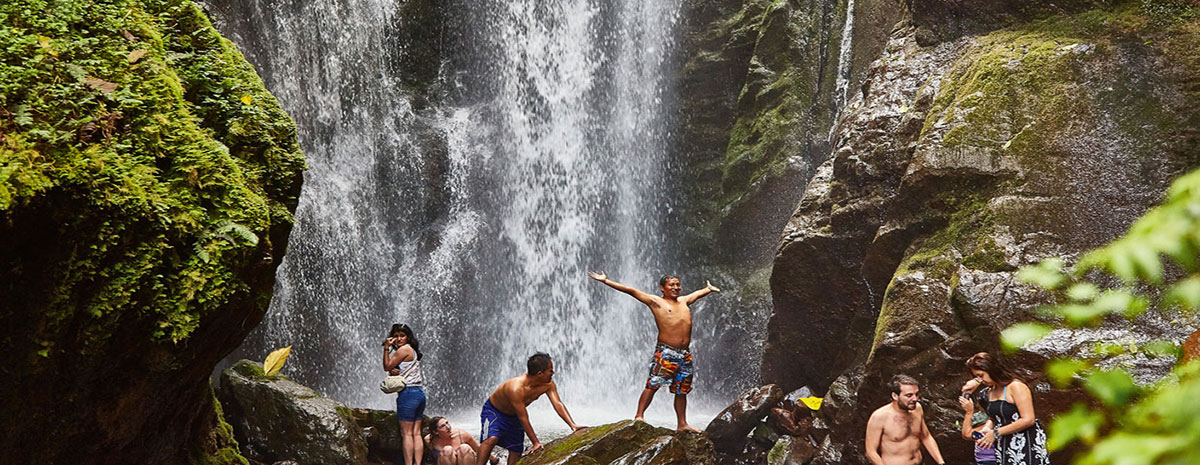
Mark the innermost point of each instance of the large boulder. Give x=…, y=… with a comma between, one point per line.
x=276, y=419
x=959, y=163
x=729, y=429
x=147, y=183
x=625, y=442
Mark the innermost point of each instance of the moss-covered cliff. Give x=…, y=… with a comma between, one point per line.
x=962, y=161
x=147, y=180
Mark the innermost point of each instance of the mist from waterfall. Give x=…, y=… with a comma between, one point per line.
x=474, y=221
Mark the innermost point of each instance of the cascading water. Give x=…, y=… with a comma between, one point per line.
x=473, y=221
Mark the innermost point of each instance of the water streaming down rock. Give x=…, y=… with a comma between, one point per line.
x=473, y=219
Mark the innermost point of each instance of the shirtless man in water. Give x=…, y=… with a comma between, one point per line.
x=505, y=420
x=672, y=362
x=896, y=431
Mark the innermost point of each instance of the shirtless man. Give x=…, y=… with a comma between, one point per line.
x=505, y=420
x=896, y=431
x=672, y=362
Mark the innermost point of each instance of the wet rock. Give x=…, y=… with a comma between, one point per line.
x=625, y=442
x=729, y=429
x=276, y=419
x=791, y=451
x=381, y=431
x=951, y=173
x=782, y=421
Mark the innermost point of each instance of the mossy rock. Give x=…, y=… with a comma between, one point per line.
x=601, y=444
x=147, y=184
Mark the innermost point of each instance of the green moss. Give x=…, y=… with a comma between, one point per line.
x=1018, y=89
x=574, y=442
x=220, y=447
x=179, y=163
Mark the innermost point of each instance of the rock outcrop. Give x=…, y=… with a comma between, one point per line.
x=626, y=442
x=147, y=183
x=275, y=419
x=962, y=160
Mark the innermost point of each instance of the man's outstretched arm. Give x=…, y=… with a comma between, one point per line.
x=637, y=294
x=930, y=444
x=560, y=408
x=708, y=288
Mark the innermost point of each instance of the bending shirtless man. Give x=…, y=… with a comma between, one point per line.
x=504, y=418
x=896, y=431
x=672, y=362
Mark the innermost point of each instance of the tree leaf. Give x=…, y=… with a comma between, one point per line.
x=247, y=99
x=136, y=55
x=1062, y=371
x=1078, y=424
x=1083, y=292
x=1022, y=334
x=275, y=360
x=1047, y=274
x=1113, y=387
x=1186, y=293
x=101, y=85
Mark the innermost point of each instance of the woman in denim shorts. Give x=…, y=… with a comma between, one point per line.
x=402, y=356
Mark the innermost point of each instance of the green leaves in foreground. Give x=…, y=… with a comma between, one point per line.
x=1134, y=425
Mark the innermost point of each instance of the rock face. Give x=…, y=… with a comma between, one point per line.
x=729, y=429
x=275, y=419
x=960, y=161
x=147, y=186
x=626, y=442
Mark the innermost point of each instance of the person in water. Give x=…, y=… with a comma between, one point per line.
x=1018, y=437
x=671, y=364
x=450, y=446
x=402, y=356
x=504, y=418
x=896, y=431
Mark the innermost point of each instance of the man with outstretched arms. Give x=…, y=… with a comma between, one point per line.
x=896, y=431
x=504, y=418
x=672, y=361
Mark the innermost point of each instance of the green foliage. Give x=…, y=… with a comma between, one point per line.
x=160, y=137
x=1151, y=425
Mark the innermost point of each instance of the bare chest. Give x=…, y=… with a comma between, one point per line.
x=900, y=427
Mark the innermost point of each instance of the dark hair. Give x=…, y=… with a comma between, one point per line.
x=408, y=333
x=663, y=280
x=991, y=365
x=433, y=422
x=900, y=380
x=538, y=363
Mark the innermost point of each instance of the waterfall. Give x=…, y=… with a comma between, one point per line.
x=845, y=54
x=473, y=220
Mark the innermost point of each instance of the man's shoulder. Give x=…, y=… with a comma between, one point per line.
x=881, y=412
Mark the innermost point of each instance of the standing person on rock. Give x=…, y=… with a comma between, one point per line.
x=504, y=418
x=402, y=355
x=1017, y=436
x=672, y=361
x=896, y=431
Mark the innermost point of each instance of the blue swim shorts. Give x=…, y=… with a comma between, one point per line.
x=410, y=404
x=504, y=426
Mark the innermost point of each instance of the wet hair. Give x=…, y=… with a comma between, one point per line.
x=538, y=363
x=901, y=380
x=408, y=333
x=663, y=280
x=991, y=365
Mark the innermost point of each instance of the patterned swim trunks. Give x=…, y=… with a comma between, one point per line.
x=671, y=366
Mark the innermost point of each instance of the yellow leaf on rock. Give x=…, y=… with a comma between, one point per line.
x=247, y=99
x=813, y=403
x=135, y=55
x=275, y=360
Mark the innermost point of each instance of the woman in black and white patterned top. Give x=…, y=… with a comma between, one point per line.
x=1018, y=437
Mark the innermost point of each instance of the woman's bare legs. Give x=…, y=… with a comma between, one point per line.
x=413, y=445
